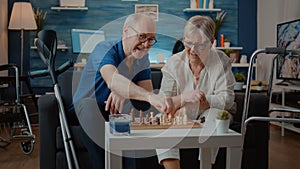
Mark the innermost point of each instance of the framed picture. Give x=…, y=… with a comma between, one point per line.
x=149, y=9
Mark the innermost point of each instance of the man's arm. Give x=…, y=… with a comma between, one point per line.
x=146, y=84
x=127, y=89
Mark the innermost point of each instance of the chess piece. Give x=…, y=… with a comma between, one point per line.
x=184, y=119
x=147, y=119
x=141, y=116
x=132, y=115
x=169, y=119
x=202, y=119
x=162, y=119
x=157, y=119
x=151, y=118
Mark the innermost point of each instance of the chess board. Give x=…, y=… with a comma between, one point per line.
x=147, y=126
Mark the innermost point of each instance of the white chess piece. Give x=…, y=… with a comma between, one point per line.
x=151, y=118
x=141, y=117
x=161, y=119
x=177, y=119
x=184, y=119
x=170, y=118
x=132, y=115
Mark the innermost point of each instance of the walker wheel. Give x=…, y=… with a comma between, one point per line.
x=27, y=146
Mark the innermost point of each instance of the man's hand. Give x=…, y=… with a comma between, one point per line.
x=114, y=103
x=157, y=101
x=163, y=104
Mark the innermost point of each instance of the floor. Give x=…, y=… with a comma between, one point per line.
x=12, y=157
x=284, y=152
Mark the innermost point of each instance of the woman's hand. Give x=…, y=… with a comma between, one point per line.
x=195, y=97
x=191, y=97
x=114, y=103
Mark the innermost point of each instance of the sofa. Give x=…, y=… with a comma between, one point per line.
x=52, y=155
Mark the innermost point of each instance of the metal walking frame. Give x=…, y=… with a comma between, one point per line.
x=46, y=45
x=245, y=120
x=11, y=114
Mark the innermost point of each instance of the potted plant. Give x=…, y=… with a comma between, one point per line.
x=226, y=43
x=40, y=19
x=219, y=21
x=240, y=79
x=222, y=121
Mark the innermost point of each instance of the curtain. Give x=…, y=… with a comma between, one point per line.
x=3, y=33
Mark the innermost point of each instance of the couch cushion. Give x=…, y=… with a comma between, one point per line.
x=68, y=83
x=258, y=105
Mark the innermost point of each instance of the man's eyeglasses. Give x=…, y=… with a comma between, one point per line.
x=143, y=37
x=196, y=45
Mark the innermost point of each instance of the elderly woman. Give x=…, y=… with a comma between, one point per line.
x=198, y=79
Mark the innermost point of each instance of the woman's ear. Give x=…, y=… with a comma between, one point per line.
x=213, y=40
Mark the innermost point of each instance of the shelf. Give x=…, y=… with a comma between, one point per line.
x=274, y=105
x=59, y=47
x=241, y=65
x=69, y=8
x=231, y=48
x=289, y=87
x=201, y=10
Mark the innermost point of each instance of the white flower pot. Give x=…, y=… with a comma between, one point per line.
x=238, y=86
x=72, y=3
x=226, y=44
x=222, y=126
x=259, y=88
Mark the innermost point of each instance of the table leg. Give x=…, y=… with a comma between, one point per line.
x=205, y=159
x=107, y=156
x=115, y=160
x=234, y=158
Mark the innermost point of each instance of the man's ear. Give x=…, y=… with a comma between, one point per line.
x=125, y=29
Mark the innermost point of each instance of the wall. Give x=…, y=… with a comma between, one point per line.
x=281, y=11
x=109, y=15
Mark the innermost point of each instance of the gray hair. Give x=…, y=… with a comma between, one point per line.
x=136, y=18
x=204, y=24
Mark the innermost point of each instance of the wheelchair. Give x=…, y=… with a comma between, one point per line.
x=14, y=119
